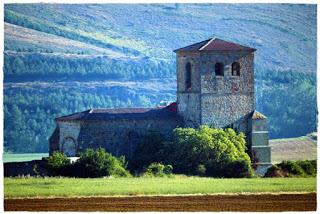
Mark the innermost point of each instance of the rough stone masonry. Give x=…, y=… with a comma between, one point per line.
x=215, y=87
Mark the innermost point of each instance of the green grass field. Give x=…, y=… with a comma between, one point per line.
x=75, y=187
x=10, y=157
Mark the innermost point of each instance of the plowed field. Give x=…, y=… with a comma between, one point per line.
x=249, y=202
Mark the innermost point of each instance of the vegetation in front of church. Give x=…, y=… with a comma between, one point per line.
x=175, y=185
x=203, y=151
x=157, y=170
x=306, y=168
x=92, y=163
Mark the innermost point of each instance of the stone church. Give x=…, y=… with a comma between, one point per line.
x=215, y=87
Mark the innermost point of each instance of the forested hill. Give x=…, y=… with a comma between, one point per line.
x=62, y=58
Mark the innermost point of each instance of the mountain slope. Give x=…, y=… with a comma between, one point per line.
x=301, y=148
x=19, y=38
x=285, y=40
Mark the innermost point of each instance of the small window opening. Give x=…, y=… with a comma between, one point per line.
x=235, y=69
x=218, y=68
x=188, y=76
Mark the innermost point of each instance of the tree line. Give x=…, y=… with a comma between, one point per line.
x=38, y=66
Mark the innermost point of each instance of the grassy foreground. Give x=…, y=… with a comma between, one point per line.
x=76, y=187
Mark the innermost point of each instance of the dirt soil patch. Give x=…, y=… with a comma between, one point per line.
x=247, y=203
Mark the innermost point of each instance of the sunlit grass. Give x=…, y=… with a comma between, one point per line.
x=75, y=187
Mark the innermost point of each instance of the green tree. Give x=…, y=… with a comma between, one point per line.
x=215, y=149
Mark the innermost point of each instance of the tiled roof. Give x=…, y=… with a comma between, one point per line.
x=166, y=112
x=214, y=44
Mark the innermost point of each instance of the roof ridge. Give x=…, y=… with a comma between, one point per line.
x=215, y=44
x=205, y=45
x=134, y=107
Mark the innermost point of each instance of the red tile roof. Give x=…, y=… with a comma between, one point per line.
x=214, y=44
x=166, y=112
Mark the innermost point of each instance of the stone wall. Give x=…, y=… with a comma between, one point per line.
x=210, y=83
x=194, y=60
x=221, y=110
x=188, y=100
x=120, y=137
x=26, y=168
x=68, y=130
x=189, y=109
x=216, y=100
x=226, y=99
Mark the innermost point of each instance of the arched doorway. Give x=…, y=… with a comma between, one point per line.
x=69, y=147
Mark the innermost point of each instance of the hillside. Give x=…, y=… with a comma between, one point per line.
x=285, y=40
x=64, y=58
x=301, y=148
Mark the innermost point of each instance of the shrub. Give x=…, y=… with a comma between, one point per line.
x=92, y=163
x=275, y=171
x=57, y=163
x=167, y=169
x=158, y=170
x=238, y=169
x=201, y=170
x=309, y=167
x=292, y=169
x=99, y=163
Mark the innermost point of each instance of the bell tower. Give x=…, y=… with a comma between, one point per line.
x=215, y=87
x=215, y=84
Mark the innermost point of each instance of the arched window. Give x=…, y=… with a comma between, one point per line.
x=235, y=69
x=188, y=75
x=69, y=147
x=218, y=68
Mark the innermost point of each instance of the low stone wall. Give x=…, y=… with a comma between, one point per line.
x=27, y=168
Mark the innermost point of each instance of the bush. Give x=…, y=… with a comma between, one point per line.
x=167, y=169
x=201, y=170
x=238, y=169
x=57, y=163
x=309, y=167
x=158, y=170
x=92, y=163
x=275, y=171
x=99, y=163
x=293, y=169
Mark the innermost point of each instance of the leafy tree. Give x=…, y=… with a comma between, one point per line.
x=203, y=151
x=215, y=149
